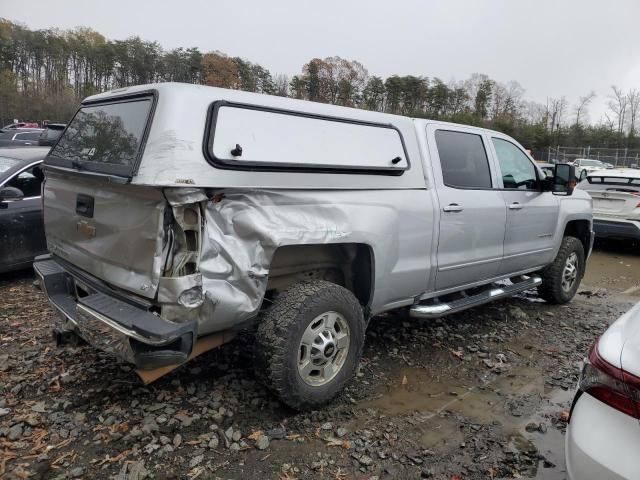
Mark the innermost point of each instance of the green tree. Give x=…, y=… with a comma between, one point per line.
x=483, y=99
x=373, y=94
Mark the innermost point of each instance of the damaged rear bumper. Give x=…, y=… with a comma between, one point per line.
x=129, y=331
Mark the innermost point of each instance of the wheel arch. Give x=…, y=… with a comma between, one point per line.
x=580, y=229
x=351, y=265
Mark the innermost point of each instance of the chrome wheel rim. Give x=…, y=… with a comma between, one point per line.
x=570, y=272
x=323, y=348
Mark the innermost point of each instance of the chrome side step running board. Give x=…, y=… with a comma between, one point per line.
x=492, y=292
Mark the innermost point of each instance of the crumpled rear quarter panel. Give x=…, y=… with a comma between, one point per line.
x=244, y=229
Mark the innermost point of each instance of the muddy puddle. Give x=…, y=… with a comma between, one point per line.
x=416, y=391
x=441, y=407
x=614, y=266
x=551, y=443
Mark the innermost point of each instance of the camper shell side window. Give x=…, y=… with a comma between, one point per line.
x=243, y=136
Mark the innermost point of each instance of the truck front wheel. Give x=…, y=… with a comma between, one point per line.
x=561, y=279
x=309, y=342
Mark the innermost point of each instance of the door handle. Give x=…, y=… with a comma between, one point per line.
x=515, y=206
x=453, y=207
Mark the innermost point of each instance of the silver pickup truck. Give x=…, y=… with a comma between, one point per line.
x=176, y=215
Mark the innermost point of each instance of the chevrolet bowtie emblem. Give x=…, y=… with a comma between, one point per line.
x=85, y=229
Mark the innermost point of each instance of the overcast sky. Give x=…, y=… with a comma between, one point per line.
x=552, y=47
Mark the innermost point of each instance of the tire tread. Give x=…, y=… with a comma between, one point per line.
x=272, y=342
x=551, y=288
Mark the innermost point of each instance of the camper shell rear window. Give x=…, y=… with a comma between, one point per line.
x=241, y=136
x=105, y=137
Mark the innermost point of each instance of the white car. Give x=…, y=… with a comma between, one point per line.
x=616, y=202
x=603, y=436
x=588, y=165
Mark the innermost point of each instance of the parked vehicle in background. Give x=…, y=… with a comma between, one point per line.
x=587, y=165
x=603, y=435
x=302, y=217
x=14, y=126
x=547, y=168
x=51, y=134
x=609, y=166
x=21, y=228
x=18, y=138
x=616, y=202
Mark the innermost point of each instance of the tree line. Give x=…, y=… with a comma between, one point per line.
x=45, y=73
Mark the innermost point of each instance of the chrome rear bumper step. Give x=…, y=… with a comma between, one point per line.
x=493, y=292
x=130, y=332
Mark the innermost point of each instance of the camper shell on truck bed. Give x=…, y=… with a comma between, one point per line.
x=176, y=212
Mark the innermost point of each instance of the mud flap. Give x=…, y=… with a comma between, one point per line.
x=203, y=345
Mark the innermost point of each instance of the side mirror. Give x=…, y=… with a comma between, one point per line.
x=10, y=194
x=564, y=179
x=38, y=173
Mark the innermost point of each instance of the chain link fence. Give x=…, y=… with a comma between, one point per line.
x=618, y=157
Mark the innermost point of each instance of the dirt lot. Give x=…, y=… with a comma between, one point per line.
x=478, y=395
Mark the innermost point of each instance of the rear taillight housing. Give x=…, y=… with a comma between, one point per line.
x=610, y=385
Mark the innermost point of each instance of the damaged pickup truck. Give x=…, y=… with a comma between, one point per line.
x=176, y=215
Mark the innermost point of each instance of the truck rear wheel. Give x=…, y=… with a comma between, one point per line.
x=561, y=279
x=309, y=342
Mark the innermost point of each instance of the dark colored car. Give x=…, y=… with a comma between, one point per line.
x=21, y=228
x=20, y=138
x=51, y=134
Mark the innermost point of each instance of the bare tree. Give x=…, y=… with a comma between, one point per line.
x=507, y=99
x=583, y=104
x=555, y=110
x=533, y=112
x=609, y=122
x=282, y=85
x=618, y=104
x=633, y=100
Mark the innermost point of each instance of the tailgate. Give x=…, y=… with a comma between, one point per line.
x=113, y=232
x=615, y=193
x=614, y=202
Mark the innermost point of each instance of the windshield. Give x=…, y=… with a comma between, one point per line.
x=7, y=163
x=27, y=136
x=104, y=137
x=591, y=163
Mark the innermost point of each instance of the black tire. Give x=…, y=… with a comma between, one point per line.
x=280, y=332
x=551, y=288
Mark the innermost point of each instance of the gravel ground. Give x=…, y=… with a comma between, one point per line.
x=479, y=395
